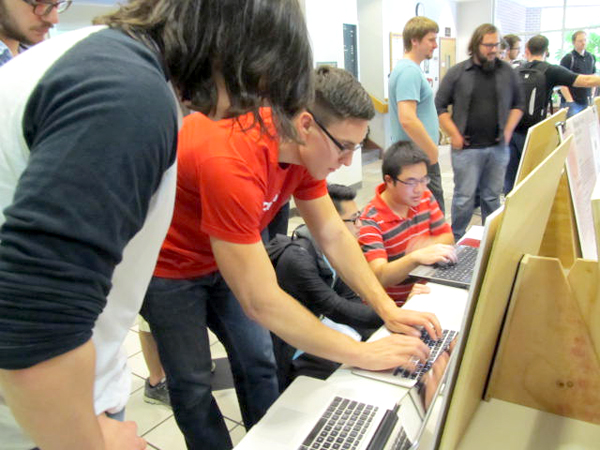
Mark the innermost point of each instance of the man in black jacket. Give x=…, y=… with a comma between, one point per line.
x=580, y=61
x=304, y=272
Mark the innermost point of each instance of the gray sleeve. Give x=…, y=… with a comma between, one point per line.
x=101, y=135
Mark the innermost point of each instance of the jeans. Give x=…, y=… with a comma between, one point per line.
x=516, y=145
x=473, y=168
x=435, y=186
x=574, y=108
x=179, y=312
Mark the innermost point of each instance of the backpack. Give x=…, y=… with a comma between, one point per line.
x=532, y=78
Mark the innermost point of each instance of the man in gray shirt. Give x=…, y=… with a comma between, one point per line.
x=487, y=105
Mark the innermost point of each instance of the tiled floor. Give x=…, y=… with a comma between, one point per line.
x=156, y=423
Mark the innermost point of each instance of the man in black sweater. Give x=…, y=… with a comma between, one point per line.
x=304, y=272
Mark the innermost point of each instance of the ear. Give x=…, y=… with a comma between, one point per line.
x=304, y=121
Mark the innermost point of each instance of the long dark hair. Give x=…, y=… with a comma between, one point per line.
x=477, y=36
x=260, y=47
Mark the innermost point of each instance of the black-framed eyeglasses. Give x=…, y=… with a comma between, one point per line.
x=354, y=219
x=341, y=147
x=495, y=44
x=44, y=7
x=413, y=182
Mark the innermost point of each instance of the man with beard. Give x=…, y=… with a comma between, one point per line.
x=487, y=105
x=413, y=115
x=26, y=23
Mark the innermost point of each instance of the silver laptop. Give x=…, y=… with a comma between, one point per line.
x=457, y=275
x=449, y=314
x=306, y=417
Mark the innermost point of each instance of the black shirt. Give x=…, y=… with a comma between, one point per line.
x=482, y=123
x=585, y=65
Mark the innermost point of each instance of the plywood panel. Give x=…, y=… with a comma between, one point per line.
x=547, y=360
x=526, y=213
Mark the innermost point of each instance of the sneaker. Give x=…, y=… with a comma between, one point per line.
x=157, y=395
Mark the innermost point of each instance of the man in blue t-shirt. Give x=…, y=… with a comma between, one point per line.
x=413, y=116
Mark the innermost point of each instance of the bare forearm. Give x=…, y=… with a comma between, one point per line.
x=418, y=134
x=587, y=81
x=448, y=125
x=346, y=256
x=53, y=401
x=513, y=119
x=566, y=93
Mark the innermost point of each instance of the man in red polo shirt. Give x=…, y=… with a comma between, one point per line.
x=403, y=225
x=213, y=270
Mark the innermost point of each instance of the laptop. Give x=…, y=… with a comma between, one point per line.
x=448, y=303
x=457, y=275
x=306, y=417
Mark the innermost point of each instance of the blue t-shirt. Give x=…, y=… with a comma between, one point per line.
x=407, y=82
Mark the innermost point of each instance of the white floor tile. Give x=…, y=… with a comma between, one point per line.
x=132, y=344
x=146, y=415
x=228, y=404
x=217, y=351
x=167, y=435
x=136, y=382
x=212, y=338
x=237, y=434
x=138, y=365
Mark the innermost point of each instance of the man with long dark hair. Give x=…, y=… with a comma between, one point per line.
x=89, y=124
x=486, y=106
x=213, y=270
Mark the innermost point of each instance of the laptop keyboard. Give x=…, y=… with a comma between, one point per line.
x=463, y=270
x=342, y=426
x=401, y=442
x=436, y=348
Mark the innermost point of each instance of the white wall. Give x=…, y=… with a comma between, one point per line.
x=471, y=14
x=325, y=22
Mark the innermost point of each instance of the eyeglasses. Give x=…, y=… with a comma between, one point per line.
x=341, y=147
x=496, y=44
x=43, y=7
x=354, y=219
x=413, y=182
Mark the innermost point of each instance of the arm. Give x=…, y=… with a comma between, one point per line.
x=407, y=115
x=298, y=275
x=514, y=116
x=57, y=256
x=35, y=396
x=248, y=272
x=433, y=249
x=345, y=255
x=566, y=93
x=587, y=81
x=456, y=138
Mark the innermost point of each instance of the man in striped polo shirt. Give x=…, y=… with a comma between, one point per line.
x=403, y=225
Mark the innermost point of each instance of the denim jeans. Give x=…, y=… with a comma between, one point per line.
x=473, y=168
x=574, y=108
x=516, y=145
x=435, y=186
x=179, y=312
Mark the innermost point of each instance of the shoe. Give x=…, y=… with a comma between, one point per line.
x=157, y=395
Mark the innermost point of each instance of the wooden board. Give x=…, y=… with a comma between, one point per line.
x=526, y=212
x=546, y=359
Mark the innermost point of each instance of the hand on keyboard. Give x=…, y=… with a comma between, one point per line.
x=433, y=254
x=400, y=320
x=392, y=351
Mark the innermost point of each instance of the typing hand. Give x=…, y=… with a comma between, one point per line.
x=120, y=435
x=434, y=254
x=405, y=321
x=393, y=351
x=419, y=289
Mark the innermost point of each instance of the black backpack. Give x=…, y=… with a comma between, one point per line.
x=532, y=77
